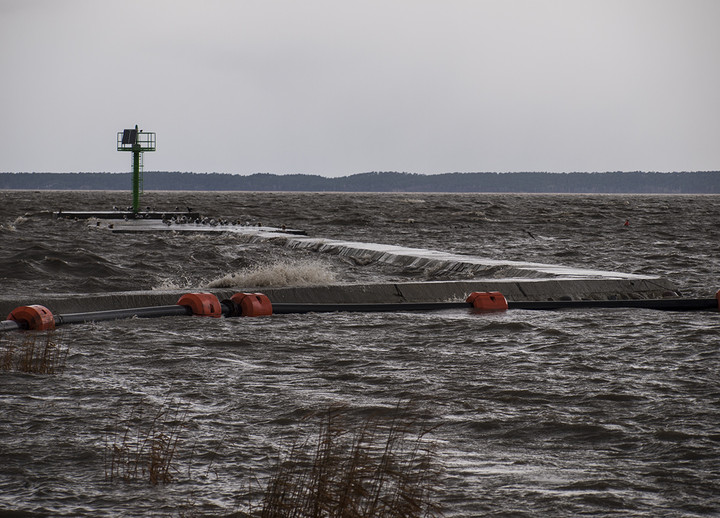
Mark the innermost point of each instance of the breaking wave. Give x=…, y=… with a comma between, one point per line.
x=12, y=227
x=280, y=274
x=174, y=284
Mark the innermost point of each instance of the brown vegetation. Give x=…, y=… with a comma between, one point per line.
x=138, y=452
x=381, y=467
x=36, y=352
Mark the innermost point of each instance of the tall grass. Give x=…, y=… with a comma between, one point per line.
x=36, y=352
x=384, y=465
x=380, y=467
x=141, y=449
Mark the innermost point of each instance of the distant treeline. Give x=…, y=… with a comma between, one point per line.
x=703, y=182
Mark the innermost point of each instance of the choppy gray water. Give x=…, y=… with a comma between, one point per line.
x=609, y=412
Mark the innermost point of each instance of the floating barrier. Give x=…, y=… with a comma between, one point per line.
x=488, y=301
x=27, y=319
x=250, y=305
x=39, y=318
x=287, y=308
x=659, y=304
x=33, y=317
x=203, y=304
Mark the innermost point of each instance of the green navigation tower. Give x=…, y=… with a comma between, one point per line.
x=137, y=141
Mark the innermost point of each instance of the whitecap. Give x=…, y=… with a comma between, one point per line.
x=279, y=274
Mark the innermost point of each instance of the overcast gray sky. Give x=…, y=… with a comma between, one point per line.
x=336, y=87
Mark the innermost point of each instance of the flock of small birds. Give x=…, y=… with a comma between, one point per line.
x=175, y=219
x=149, y=209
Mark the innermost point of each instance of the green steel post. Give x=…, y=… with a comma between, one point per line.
x=137, y=142
x=136, y=178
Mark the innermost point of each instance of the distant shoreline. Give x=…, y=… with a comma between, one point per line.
x=636, y=182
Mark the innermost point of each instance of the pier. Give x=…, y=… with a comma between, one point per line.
x=518, y=281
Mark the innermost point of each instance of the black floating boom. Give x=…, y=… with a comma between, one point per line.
x=36, y=317
x=660, y=304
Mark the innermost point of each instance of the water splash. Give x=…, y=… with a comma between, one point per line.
x=280, y=274
x=12, y=227
x=174, y=284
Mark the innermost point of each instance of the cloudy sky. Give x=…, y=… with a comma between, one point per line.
x=337, y=87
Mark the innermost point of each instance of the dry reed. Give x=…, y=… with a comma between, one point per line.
x=36, y=352
x=139, y=449
x=381, y=467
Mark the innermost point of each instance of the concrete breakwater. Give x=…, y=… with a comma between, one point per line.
x=518, y=281
x=441, y=291
x=366, y=253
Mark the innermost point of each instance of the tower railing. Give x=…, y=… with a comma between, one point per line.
x=136, y=141
x=144, y=139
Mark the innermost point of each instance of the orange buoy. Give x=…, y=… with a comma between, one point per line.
x=202, y=304
x=627, y=222
x=35, y=317
x=253, y=304
x=488, y=301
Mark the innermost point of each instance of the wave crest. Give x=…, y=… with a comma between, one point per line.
x=12, y=227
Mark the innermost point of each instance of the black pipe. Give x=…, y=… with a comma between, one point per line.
x=286, y=308
x=228, y=308
x=10, y=325
x=113, y=314
x=661, y=304
x=116, y=314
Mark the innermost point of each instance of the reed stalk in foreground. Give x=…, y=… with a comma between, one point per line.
x=381, y=467
x=36, y=352
x=140, y=449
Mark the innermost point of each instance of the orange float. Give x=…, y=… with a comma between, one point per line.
x=488, y=301
x=35, y=317
x=253, y=304
x=202, y=304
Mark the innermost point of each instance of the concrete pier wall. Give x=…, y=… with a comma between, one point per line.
x=518, y=281
x=434, y=261
x=451, y=291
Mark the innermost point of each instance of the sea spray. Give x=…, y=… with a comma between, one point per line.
x=279, y=274
x=12, y=227
x=174, y=284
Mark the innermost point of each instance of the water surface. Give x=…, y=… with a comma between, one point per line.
x=594, y=412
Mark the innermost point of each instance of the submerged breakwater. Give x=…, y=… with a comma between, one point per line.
x=596, y=412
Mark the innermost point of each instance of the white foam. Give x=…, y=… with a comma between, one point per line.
x=280, y=274
x=173, y=284
x=12, y=227
x=419, y=258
